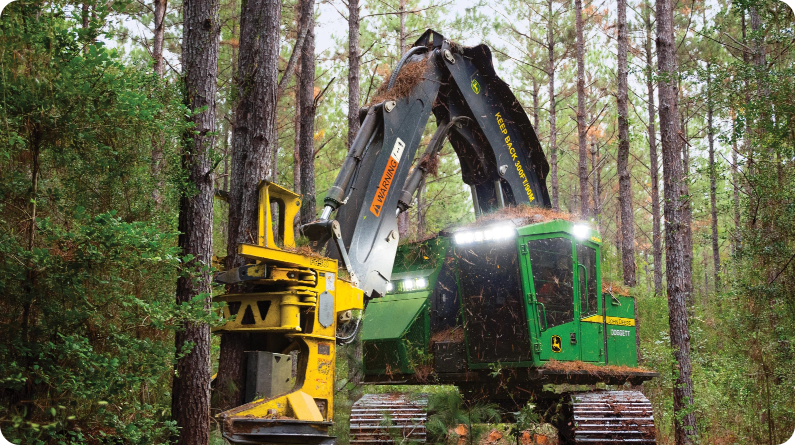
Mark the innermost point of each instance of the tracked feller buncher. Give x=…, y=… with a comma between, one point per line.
x=500, y=310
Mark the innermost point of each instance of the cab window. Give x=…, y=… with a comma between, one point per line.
x=552, y=266
x=586, y=256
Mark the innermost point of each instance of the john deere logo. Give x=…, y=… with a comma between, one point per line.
x=557, y=344
x=475, y=86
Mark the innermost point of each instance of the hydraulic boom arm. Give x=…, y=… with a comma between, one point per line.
x=500, y=155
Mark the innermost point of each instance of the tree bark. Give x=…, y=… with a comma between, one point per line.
x=678, y=273
x=581, y=128
x=190, y=407
x=713, y=187
x=653, y=167
x=253, y=141
x=618, y=231
x=354, y=59
x=624, y=184
x=307, y=145
x=354, y=349
x=553, y=130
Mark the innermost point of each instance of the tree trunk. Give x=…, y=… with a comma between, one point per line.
x=404, y=224
x=760, y=64
x=402, y=10
x=749, y=148
x=624, y=184
x=190, y=406
x=687, y=213
x=300, y=35
x=598, y=193
x=159, y=33
x=581, y=129
x=713, y=187
x=678, y=273
x=736, y=193
x=157, y=55
x=354, y=59
x=553, y=130
x=535, y=104
x=297, y=135
x=420, y=214
x=84, y=15
x=655, y=180
x=307, y=145
x=594, y=179
x=618, y=231
x=253, y=141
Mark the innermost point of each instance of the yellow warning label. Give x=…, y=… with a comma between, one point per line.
x=386, y=179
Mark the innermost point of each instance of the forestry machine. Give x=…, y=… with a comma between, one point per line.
x=504, y=310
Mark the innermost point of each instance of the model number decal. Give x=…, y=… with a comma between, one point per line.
x=619, y=333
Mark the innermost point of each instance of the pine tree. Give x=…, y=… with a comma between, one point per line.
x=190, y=407
x=678, y=273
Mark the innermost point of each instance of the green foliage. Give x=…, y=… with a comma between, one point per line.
x=527, y=418
x=449, y=409
x=87, y=264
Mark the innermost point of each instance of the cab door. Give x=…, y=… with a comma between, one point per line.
x=591, y=334
x=552, y=296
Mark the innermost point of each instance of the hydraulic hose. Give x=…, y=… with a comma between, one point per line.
x=403, y=60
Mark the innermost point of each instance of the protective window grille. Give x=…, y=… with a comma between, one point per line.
x=588, y=297
x=553, y=277
x=496, y=321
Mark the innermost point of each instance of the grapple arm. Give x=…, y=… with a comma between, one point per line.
x=501, y=157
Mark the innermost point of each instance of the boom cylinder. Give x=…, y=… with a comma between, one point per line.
x=336, y=194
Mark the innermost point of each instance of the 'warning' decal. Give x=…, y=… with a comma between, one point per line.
x=387, y=177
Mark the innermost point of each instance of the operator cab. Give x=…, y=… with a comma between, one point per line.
x=509, y=294
x=533, y=293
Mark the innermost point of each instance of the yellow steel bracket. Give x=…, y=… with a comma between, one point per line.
x=288, y=204
x=298, y=305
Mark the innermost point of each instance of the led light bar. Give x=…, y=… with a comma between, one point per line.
x=492, y=234
x=581, y=231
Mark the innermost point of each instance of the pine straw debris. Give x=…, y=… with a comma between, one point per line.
x=430, y=164
x=614, y=288
x=525, y=214
x=595, y=370
x=409, y=76
x=455, y=335
x=303, y=250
